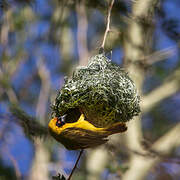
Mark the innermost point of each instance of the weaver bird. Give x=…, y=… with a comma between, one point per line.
x=81, y=134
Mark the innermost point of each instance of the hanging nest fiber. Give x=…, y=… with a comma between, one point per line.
x=102, y=91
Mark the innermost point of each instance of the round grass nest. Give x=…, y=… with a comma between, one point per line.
x=101, y=90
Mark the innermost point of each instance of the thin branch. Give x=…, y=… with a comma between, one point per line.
x=5, y=151
x=167, y=89
x=44, y=75
x=39, y=168
x=140, y=165
x=15, y=164
x=150, y=153
x=160, y=55
x=156, y=56
x=4, y=40
x=75, y=166
x=107, y=24
x=5, y=28
x=9, y=90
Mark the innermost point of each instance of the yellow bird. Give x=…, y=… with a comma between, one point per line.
x=82, y=134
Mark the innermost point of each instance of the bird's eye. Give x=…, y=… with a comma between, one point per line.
x=60, y=122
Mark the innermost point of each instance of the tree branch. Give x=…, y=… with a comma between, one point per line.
x=167, y=89
x=44, y=75
x=134, y=48
x=39, y=168
x=160, y=55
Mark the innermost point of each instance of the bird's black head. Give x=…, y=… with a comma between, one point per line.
x=61, y=120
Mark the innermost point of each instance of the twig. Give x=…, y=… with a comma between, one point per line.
x=167, y=89
x=164, y=145
x=157, y=56
x=153, y=154
x=5, y=150
x=44, y=75
x=107, y=25
x=75, y=164
x=160, y=55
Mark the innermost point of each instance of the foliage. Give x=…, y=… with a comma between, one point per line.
x=32, y=128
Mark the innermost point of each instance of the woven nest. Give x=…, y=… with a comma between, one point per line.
x=102, y=91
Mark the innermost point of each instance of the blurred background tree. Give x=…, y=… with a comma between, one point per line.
x=42, y=41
